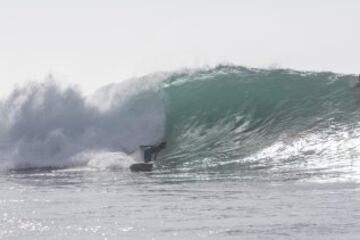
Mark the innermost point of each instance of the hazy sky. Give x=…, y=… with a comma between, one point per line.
x=94, y=42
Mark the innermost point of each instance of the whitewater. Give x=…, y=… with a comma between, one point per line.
x=251, y=154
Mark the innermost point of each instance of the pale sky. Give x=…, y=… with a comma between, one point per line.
x=94, y=42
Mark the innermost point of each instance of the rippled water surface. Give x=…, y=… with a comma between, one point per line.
x=89, y=204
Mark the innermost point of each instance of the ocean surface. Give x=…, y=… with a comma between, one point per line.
x=251, y=154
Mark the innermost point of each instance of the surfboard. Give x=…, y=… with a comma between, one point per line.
x=141, y=167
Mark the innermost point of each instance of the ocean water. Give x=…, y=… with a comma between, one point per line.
x=252, y=154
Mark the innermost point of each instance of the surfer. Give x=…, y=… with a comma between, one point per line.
x=151, y=151
x=358, y=82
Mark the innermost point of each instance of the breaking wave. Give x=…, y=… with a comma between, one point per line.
x=45, y=125
x=219, y=119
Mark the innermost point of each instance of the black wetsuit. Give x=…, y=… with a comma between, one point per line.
x=148, y=153
x=151, y=152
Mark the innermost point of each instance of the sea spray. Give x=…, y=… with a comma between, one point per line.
x=220, y=119
x=45, y=125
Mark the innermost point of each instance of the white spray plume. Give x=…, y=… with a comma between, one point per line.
x=45, y=125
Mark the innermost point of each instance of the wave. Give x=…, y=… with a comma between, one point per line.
x=228, y=117
x=215, y=119
x=45, y=125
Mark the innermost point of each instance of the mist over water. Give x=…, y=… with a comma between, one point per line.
x=222, y=119
x=251, y=154
x=45, y=125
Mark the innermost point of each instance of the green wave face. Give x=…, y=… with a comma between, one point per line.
x=226, y=119
x=230, y=117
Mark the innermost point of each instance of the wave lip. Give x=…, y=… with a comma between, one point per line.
x=228, y=117
x=220, y=119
